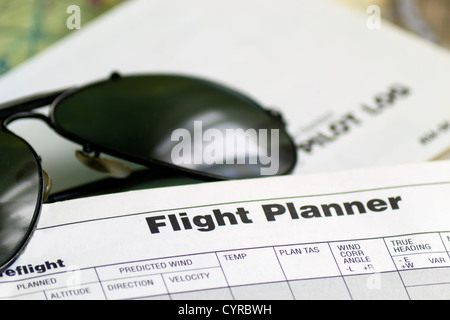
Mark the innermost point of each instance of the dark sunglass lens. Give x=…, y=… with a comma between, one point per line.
x=190, y=123
x=20, y=195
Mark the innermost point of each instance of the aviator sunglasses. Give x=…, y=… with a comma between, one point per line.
x=132, y=118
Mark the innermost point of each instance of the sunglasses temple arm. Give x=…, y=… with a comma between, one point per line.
x=28, y=103
x=140, y=179
x=102, y=187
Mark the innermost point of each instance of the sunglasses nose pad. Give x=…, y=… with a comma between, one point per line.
x=47, y=184
x=110, y=167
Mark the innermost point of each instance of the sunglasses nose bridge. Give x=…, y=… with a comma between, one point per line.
x=27, y=115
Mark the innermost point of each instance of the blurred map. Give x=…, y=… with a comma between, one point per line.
x=29, y=26
x=427, y=18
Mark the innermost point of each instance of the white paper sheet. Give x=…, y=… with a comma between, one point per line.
x=248, y=240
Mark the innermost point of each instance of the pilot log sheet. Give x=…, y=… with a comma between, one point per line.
x=381, y=233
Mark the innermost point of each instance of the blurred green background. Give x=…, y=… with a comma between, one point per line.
x=29, y=26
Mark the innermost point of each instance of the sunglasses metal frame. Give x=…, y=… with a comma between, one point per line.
x=38, y=206
x=23, y=108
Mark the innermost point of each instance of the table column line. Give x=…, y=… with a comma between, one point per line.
x=340, y=272
x=443, y=243
x=100, y=283
x=284, y=274
x=224, y=275
x=161, y=275
x=395, y=265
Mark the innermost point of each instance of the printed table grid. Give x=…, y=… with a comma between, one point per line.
x=414, y=266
